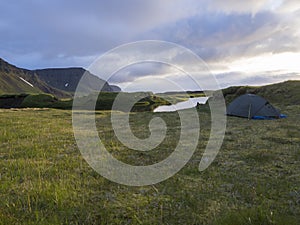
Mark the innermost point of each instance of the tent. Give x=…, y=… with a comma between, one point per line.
x=253, y=107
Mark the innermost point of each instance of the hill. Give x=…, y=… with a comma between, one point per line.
x=284, y=93
x=60, y=82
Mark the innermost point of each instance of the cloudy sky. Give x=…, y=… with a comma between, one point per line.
x=243, y=42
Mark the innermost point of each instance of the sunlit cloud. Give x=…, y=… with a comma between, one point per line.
x=286, y=62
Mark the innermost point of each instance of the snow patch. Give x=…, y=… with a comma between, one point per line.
x=26, y=81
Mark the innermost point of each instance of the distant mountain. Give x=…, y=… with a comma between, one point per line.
x=60, y=82
x=115, y=88
x=67, y=79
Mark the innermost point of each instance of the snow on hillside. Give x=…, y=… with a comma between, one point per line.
x=26, y=81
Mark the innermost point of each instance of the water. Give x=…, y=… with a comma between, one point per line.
x=192, y=102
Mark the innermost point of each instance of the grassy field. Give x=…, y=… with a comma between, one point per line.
x=255, y=178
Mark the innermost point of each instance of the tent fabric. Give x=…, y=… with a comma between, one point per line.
x=252, y=106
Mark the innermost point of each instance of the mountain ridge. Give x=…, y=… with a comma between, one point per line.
x=60, y=82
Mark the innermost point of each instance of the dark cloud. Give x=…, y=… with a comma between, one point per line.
x=76, y=28
x=36, y=34
x=219, y=36
x=69, y=28
x=139, y=70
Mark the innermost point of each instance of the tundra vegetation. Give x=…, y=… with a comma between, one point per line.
x=44, y=179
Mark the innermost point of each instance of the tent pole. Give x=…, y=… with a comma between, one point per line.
x=249, y=112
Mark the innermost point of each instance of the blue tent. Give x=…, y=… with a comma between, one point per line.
x=253, y=107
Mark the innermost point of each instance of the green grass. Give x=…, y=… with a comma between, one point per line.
x=105, y=100
x=44, y=180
